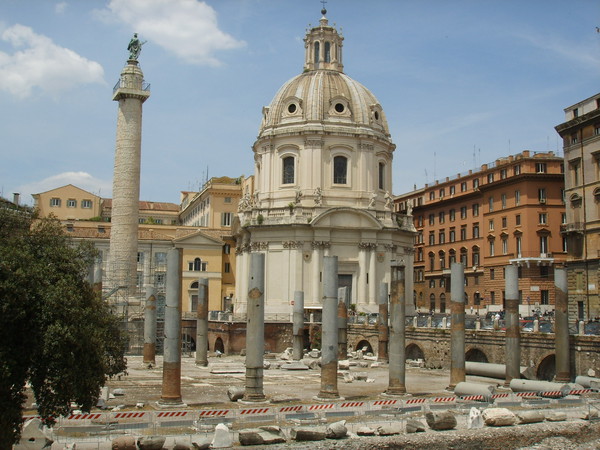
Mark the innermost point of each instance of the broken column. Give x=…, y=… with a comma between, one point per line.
x=513, y=331
x=329, y=333
x=342, y=323
x=255, y=330
x=397, y=346
x=457, y=327
x=149, y=353
x=202, y=324
x=298, y=326
x=171, y=385
x=382, y=351
x=561, y=326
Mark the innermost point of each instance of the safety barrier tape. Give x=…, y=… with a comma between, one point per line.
x=321, y=407
x=551, y=394
x=170, y=414
x=213, y=413
x=252, y=411
x=382, y=403
x=84, y=417
x=444, y=399
x=413, y=401
x=351, y=404
x=472, y=397
x=495, y=396
x=289, y=409
x=129, y=415
x=526, y=394
x=579, y=391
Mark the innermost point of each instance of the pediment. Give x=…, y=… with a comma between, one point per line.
x=346, y=218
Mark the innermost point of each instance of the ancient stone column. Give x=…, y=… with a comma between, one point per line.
x=202, y=324
x=561, y=326
x=329, y=333
x=255, y=330
x=342, y=323
x=457, y=327
x=131, y=93
x=383, y=338
x=171, y=385
x=298, y=326
x=149, y=356
x=513, y=331
x=397, y=342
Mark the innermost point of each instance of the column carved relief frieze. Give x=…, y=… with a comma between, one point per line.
x=259, y=245
x=321, y=244
x=367, y=245
x=293, y=244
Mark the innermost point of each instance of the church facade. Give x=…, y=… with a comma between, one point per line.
x=322, y=187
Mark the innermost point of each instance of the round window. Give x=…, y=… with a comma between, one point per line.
x=292, y=108
x=339, y=107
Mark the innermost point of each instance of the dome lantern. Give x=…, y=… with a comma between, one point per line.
x=323, y=46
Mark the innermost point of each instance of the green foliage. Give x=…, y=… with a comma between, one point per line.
x=58, y=334
x=260, y=219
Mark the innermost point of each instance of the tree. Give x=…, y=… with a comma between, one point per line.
x=57, y=333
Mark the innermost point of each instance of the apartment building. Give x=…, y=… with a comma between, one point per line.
x=508, y=212
x=214, y=206
x=581, y=143
x=68, y=203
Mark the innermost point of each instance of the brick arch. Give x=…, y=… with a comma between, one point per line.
x=413, y=351
x=546, y=368
x=219, y=345
x=475, y=354
x=365, y=343
x=364, y=333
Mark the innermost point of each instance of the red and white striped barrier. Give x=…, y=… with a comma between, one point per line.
x=551, y=394
x=384, y=403
x=213, y=413
x=478, y=398
x=290, y=409
x=526, y=394
x=253, y=411
x=321, y=407
x=88, y=416
x=579, y=391
x=414, y=401
x=352, y=404
x=495, y=396
x=171, y=414
x=444, y=399
x=129, y=415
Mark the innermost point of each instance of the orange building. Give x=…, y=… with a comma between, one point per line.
x=508, y=212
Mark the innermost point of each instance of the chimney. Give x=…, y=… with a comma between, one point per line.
x=16, y=198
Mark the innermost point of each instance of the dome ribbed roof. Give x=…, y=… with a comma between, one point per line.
x=328, y=97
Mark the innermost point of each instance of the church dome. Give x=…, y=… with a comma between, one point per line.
x=323, y=98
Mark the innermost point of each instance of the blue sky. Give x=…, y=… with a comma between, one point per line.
x=462, y=82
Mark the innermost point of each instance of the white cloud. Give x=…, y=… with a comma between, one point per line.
x=188, y=28
x=40, y=64
x=82, y=180
x=60, y=7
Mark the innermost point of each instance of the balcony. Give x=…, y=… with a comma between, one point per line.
x=574, y=227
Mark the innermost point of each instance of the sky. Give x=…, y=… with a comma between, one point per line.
x=462, y=83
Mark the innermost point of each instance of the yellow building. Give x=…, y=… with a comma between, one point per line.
x=68, y=203
x=214, y=206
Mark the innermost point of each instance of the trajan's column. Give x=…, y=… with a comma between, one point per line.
x=131, y=92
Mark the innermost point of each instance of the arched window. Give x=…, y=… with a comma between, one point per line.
x=317, y=50
x=327, y=51
x=381, y=176
x=288, y=170
x=340, y=169
x=197, y=264
x=442, y=303
x=432, y=302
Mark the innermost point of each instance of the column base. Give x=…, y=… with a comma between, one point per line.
x=171, y=404
x=395, y=393
x=326, y=397
x=245, y=401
